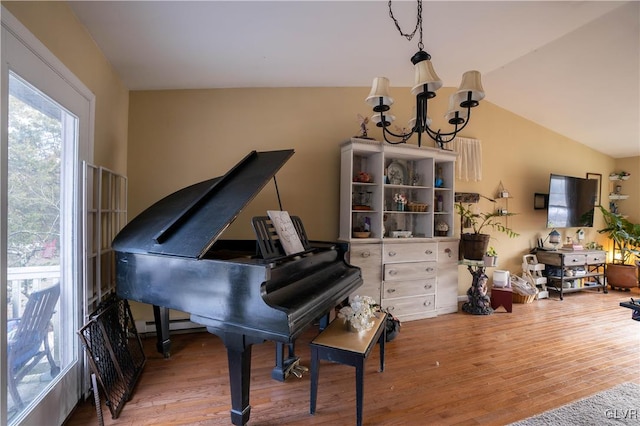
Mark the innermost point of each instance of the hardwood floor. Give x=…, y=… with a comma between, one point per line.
x=454, y=369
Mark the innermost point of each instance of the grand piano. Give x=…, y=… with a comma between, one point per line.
x=172, y=257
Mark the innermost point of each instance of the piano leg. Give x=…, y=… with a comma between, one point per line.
x=161, y=317
x=285, y=367
x=239, y=358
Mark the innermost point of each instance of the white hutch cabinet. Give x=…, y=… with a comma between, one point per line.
x=406, y=251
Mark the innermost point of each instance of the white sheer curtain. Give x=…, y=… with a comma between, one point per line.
x=469, y=163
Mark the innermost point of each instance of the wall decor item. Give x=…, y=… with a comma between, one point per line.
x=540, y=201
x=597, y=177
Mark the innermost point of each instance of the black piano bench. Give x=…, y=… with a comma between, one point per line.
x=337, y=344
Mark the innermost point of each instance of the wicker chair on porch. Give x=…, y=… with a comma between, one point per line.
x=27, y=338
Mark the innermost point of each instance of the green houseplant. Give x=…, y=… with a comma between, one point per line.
x=473, y=245
x=625, y=236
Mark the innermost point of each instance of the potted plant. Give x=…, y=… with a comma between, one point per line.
x=473, y=245
x=622, y=175
x=625, y=235
x=490, y=258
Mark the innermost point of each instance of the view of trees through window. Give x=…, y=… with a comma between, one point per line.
x=34, y=156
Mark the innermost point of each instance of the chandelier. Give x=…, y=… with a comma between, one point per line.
x=426, y=82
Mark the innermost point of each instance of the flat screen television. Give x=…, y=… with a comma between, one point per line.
x=571, y=201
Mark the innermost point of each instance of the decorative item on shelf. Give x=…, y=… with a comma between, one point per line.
x=622, y=175
x=554, y=239
x=473, y=245
x=418, y=207
x=580, y=235
x=362, y=200
x=438, y=182
x=490, y=258
x=401, y=234
x=625, y=235
x=426, y=82
x=502, y=191
x=359, y=313
x=442, y=229
x=361, y=234
x=396, y=173
x=363, y=177
x=363, y=121
x=439, y=203
x=400, y=200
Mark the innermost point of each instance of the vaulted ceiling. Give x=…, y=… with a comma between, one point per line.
x=570, y=66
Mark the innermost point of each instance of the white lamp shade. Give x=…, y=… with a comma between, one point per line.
x=379, y=89
x=471, y=82
x=454, y=105
x=377, y=118
x=425, y=74
x=412, y=121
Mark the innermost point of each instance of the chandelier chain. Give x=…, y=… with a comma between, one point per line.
x=418, y=25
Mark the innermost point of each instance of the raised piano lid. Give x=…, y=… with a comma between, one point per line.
x=188, y=222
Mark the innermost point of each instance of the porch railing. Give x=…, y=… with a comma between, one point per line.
x=22, y=281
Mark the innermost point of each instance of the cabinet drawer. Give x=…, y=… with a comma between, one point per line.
x=596, y=258
x=409, y=271
x=368, y=258
x=410, y=305
x=574, y=259
x=393, y=289
x=411, y=252
x=448, y=252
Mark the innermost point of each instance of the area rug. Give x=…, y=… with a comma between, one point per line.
x=617, y=406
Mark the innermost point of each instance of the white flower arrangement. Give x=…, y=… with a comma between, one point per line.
x=360, y=312
x=400, y=198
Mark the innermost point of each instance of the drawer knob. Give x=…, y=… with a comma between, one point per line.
x=429, y=269
x=391, y=290
x=393, y=272
x=427, y=303
x=428, y=287
x=366, y=253
x=448, y=251
x=391, y=308
x=392, y=253
x=428, y=251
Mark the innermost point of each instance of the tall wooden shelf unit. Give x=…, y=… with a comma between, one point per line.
x=414, y=276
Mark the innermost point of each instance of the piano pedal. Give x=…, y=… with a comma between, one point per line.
x=296, y=369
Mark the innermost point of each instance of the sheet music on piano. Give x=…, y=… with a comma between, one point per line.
x=286, y=231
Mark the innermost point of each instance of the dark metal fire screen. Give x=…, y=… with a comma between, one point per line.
x=115, y=352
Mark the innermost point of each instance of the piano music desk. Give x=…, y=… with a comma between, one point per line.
x=337, y=344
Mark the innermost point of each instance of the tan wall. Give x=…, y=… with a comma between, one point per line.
x=54, y=24
x=180, y=137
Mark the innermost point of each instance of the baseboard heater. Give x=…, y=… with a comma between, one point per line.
x=149, y=327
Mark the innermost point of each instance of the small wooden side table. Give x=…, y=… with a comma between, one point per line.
x=337, y=344
x=502, y=296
